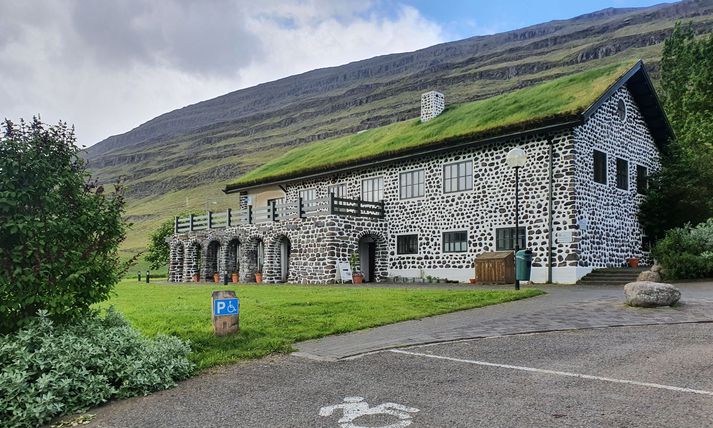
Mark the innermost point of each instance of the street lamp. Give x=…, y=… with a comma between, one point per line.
x=516, y=158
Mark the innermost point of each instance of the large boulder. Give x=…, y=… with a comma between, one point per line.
x=647, y=294
x=650, y=276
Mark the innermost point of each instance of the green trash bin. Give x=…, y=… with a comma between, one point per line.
x=523, y=265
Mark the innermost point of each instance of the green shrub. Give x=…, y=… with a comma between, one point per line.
x=687, y=252
x=59, y=230
x=49, y=369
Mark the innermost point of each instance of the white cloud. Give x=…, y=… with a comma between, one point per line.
x=107, y=67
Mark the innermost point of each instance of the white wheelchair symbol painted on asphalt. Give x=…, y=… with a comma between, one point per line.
x=356, y=407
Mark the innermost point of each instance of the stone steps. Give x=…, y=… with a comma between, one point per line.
x=611, y=276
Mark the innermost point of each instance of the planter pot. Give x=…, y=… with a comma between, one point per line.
x=235, y=278
x=357, y=279
x=633, y=262
x=196, y=278
x=473, y=280
x=258, y=278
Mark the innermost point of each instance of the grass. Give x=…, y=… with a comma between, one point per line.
x=274, y=317
x=559, y=98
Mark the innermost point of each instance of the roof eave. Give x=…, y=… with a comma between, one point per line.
x=430, y=149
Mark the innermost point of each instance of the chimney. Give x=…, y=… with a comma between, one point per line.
x=432, y=104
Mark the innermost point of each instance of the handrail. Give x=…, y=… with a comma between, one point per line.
x=331, y=205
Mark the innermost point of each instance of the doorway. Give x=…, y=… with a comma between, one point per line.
x=367, y=257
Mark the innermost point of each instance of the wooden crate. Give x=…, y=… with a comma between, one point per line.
x=496, y=267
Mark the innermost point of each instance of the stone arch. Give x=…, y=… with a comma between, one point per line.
x=252, y=257
x=373, y=253
x=212, y=260
x=176, y=262
x=193, y=261
x=277, y=259
x=232, y=255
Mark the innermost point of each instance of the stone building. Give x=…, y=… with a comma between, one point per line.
x=411, y=201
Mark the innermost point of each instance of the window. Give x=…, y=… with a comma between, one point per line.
x=338, y=190
x=621, y=110
x=455, y=242
x=504, y=239
x=600, y=167
x=412, y=184
x=407, y=244
x=308, y=195
x=372, y=189
x=277, y=201
x=458, y=177
x=622, y=174
x=642, y=179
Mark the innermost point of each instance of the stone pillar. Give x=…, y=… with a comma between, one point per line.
x=248, y=261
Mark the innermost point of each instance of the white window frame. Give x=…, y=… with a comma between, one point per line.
x=343, y=186
x=305, y=201
x=469, y=183
x=371, y=179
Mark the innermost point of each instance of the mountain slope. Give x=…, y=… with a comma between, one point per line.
x=181, y=159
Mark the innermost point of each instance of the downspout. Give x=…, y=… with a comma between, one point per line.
x=550, y=143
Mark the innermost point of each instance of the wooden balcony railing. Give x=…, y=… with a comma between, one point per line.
x=275, y=212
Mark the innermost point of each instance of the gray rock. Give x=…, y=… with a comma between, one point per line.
x=649, y=294
x=650, y=276
x=656, y=268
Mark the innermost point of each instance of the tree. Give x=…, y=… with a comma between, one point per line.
x=60, y=230
x=158, y=252
x=682, y=191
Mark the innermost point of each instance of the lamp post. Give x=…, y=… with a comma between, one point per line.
x=516, y=158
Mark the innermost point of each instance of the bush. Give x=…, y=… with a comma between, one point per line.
x=687, y=252
x=49, y=369
x=158, y=251
x=60, y=231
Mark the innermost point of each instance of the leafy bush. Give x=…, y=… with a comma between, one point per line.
x=49, y=369
x=158, y=251
x=687, y=252
x=60, y=231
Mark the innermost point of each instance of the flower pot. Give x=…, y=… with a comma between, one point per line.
x=216, y=278
x=633, y=262
x=357, y=278
x=473, y=280
x=258, y=278
x=196, y=278
x=235, y=277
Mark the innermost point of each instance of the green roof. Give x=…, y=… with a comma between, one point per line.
x=554, y=101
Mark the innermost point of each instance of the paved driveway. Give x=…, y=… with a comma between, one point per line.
x=562, y=308
x=645, y=374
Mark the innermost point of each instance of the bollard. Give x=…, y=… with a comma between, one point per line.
x=226, y=312
x=139, y=276
x=225, y=279
x=148, y=276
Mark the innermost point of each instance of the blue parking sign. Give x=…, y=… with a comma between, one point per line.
x=223, y=307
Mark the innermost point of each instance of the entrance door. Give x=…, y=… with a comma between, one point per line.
x=284, y=260
x=367, y=257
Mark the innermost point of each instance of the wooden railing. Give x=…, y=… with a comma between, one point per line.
x=279, y=212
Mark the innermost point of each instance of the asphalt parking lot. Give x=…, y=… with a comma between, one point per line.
x=647, y=376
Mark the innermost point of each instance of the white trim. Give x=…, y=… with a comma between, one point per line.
x=341, y=184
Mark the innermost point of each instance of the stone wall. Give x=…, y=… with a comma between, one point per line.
x=607, y=224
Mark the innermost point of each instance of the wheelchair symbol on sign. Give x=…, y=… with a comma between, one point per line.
x=356, y=407
x=231, y=308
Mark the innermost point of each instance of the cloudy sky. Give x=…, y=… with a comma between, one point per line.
x=108, y=66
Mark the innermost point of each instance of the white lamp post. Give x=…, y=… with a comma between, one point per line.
x=516, y=158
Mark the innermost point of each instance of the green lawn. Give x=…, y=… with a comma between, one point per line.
x=274, y=317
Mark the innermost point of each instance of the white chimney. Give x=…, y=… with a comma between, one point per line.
x=432, y=104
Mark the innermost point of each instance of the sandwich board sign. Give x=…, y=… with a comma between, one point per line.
x=345, y=271
x=226, y=312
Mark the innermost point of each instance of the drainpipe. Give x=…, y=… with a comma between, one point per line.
x=550, y=143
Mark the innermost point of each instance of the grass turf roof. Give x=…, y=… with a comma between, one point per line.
x=555, y=100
